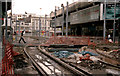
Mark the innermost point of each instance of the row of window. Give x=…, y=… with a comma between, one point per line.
x=41, y=23
x=42, y=27
x=41, y=20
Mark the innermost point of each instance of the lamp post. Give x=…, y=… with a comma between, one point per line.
x=63, y=19
x=67, y=20
x=40, y=25
x=0, y=22
x=114, y=22
x=1, y=50
x=55, y=23
x=16, y=30
x=35, y=27
x=6, y=22
x=19, y=28
x=45, y=25
x=104, y=30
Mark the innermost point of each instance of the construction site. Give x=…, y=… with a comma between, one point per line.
x=84, y=41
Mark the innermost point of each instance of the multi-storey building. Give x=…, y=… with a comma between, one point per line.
x=22, y=22
x=45, y=24
x=30, y=23
x=87, y=18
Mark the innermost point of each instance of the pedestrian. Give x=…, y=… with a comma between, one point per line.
x=21, y=38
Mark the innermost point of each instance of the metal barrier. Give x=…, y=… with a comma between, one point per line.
x=7, y=61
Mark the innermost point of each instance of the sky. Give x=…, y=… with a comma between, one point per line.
x=33, y=6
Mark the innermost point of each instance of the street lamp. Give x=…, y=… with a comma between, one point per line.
x=6, y=21
x=55, y=22
x=104, y=30
x=45, y=24
x=114, y=22
x=1, y=48
x=16, y=30
x=67, y=20
x=63, y=19
x=19, y=28
x=39, y=25
x=0, y=21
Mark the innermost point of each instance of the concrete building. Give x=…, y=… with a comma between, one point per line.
x=45, y=24
x=22, y=22
x=87, y=18
x=30, y=23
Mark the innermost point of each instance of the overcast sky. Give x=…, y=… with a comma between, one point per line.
x=33, y=6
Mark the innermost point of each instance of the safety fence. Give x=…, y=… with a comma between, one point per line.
x=7, y=61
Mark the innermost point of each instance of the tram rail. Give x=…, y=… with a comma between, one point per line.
x=42, y=57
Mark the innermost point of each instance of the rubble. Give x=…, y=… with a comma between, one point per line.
x=92, y=65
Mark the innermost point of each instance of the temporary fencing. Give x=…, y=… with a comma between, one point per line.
x=7, y=61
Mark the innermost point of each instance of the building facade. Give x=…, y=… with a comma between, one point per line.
x=87, y=18
x=42, y=23
x=21, y=22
